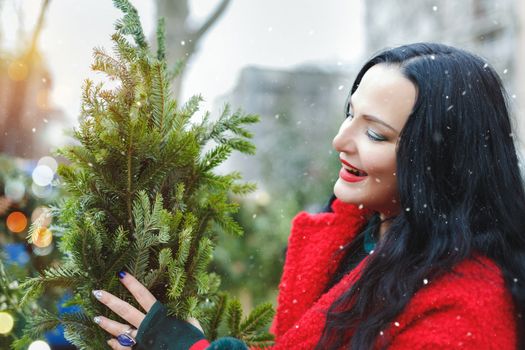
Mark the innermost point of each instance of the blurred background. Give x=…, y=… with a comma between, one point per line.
x=292, y=62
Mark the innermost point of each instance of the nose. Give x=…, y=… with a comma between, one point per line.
x=344, y=141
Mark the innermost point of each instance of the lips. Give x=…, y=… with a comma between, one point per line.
x=353, y=170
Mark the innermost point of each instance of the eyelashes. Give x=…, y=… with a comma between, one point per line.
x=373, y=136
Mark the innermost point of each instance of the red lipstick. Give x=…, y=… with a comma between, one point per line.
x=347, y=176
x=350, y=165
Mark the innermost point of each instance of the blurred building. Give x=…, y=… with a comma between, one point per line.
x=300, y=111
x=492, y=29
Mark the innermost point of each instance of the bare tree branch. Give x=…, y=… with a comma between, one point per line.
x=210, y=21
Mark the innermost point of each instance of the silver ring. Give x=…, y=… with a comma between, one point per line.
x=125, y=338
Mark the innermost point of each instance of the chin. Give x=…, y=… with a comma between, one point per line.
x=345, y=194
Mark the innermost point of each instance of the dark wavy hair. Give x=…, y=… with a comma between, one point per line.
x=460, y=192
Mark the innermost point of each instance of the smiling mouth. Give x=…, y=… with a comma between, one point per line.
x=353, y=170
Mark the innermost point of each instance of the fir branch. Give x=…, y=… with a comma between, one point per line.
x=55, y=276
x=215, y=157
x=80, y=330
x=159, y=92
x=258, y=318
x=40, y=322
x=233, y=317
x=211, y=326
x=130, y=24
x=161, y=39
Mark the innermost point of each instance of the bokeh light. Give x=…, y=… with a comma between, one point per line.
x=39, y=345
x=14, y=189
x=43, y=175
x=16, y=253
x=16, y=221
x=17, y=71
x=41, y=191
x=42, y=237
x=49, y=161
x=6, y=322
x=43, y=251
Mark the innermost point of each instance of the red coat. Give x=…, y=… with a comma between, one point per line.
x=472, y=311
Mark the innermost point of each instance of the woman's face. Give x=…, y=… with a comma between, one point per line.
x=367, y=139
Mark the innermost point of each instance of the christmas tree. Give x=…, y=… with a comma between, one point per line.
x=144, y=197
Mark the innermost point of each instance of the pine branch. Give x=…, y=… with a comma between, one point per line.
x=161, y=39
x=54, y=276
x=216, y=313
x=233, y=317
x=258, y=318
x=130, y=24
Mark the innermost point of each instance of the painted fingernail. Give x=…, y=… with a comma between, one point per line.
x=121, y=274
x=97, y=319
x=97, y=294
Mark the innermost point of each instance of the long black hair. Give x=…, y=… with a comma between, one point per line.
x=460, y=192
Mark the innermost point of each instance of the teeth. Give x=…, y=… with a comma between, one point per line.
x=355, y=172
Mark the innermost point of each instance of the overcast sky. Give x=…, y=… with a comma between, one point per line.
x=267, y=33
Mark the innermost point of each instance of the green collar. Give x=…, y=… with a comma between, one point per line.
x=371, y=233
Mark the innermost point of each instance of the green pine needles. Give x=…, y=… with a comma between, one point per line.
x=144, y=198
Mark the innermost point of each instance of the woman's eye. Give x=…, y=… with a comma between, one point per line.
x=374, y=137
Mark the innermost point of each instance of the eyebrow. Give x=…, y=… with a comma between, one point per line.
x=375, y=119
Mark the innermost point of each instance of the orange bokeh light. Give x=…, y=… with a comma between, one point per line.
x=42, y=237
x=16, y=221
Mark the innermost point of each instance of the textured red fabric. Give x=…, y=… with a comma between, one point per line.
x=473, y=310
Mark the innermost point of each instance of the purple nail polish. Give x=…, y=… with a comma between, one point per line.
x=121, y=274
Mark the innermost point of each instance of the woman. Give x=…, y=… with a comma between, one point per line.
x=424, y=246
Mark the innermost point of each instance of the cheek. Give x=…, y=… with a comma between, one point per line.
x=381, y=164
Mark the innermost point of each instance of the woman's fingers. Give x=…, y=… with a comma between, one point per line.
x=113, y=327
x=120, y=307
x=139, y=292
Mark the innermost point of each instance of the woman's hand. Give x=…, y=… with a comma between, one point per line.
x=130, y=314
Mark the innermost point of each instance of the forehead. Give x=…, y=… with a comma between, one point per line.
x=384, y=92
